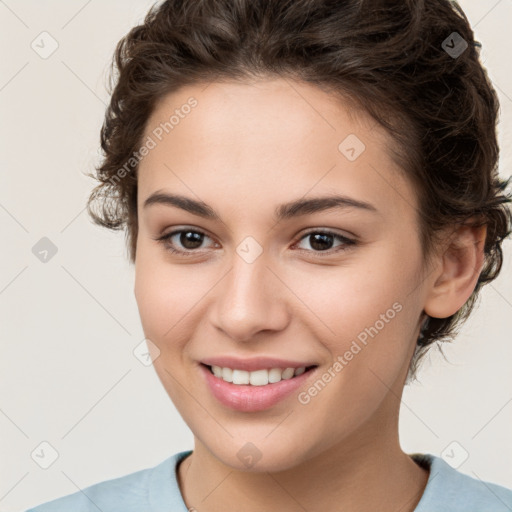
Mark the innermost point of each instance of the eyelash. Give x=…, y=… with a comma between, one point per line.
x=347, y=242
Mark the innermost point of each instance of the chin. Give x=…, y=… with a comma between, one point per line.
x=259, y=456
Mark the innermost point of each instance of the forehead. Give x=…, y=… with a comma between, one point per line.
x=276, y=137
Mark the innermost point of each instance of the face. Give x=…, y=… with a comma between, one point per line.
x=336, y=285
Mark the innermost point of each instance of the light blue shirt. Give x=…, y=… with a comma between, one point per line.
x=156, y=490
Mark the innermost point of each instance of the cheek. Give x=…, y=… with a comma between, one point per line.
x=367, y=303
x=164, y=295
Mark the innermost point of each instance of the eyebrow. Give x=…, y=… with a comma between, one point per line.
x=284, y=211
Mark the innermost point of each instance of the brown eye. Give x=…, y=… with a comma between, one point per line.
x=190, y=239
x=183, y=241
x=322, y=241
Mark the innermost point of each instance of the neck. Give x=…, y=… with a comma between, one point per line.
x=367, y=471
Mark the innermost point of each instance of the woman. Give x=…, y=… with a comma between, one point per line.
x=311, y=200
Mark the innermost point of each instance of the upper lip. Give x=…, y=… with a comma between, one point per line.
x=254, y=363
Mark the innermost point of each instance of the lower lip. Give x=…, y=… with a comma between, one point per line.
x=248, y=398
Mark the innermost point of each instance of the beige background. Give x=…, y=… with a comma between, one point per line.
x=69, y=326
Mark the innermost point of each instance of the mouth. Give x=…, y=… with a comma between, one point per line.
x=262, y=377
x=257, y=390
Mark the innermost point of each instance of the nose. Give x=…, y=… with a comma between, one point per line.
x=250, y=299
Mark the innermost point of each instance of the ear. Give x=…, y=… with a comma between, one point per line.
x=456, y=272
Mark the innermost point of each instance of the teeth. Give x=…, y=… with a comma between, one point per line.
x=274, y=375
x=258, y=377
x=239, y=377
x=288, y=373
x=227, y=374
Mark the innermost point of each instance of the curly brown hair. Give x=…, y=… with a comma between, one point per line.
x=413, y=65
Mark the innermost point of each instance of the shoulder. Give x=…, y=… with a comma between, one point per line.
x=142, y=490
x=450, y=490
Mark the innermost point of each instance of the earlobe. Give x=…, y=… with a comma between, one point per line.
x=457, y=273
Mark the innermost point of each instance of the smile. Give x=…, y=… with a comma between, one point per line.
x=248, y=397
x=257, y=377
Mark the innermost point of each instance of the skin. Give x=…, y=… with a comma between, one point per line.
x=245, y=149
